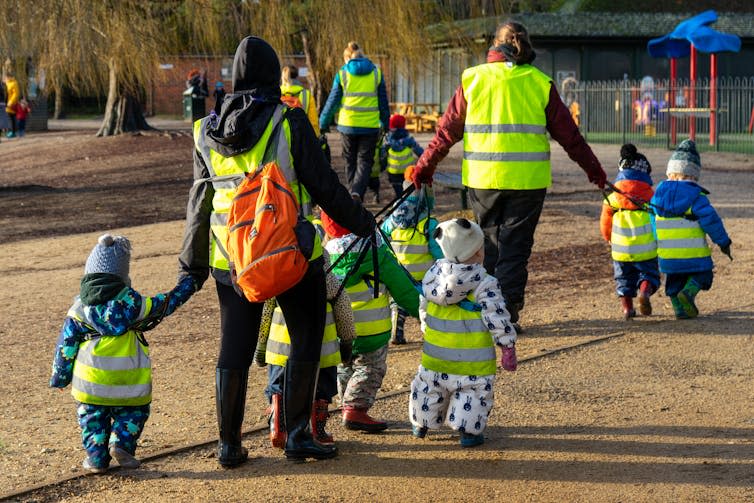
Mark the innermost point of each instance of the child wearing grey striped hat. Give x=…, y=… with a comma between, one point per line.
x=102, y=353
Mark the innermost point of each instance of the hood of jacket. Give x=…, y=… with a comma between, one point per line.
x=634, y=189
x=256, y=90
x=447, y=283
x=337, y=247
x=673, y=198
x=397, y=139
x=109, y=317
x=634, y=174
x=359, y=66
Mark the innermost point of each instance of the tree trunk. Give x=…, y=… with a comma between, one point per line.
x=315, y=86
x=123, y=111
x=58, y=112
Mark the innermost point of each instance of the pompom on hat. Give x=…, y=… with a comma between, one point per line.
x=685, y=160
x=459, y=239
x=111, y=255
x=630, y=158
x=331, y=227
x=397, y=121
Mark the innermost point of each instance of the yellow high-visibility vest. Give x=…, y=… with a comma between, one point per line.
x=360, y=105
x=505, y=143
x=371, y=316
x=226, y=173
x=631, y=238
x=679, y=237
x=456, y=341
x=399, y=160
x=112, y=370
x=279, y=342
x=411, y=248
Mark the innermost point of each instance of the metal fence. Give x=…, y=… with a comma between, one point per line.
x=718, y=115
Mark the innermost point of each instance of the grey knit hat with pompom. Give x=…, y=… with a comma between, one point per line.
x=112, y=255
x=685, y=160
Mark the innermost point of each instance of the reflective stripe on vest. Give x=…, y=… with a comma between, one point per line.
x=360, y=105
x=279, y=342
x=456, y=341
x=680, y=238
x=411, y=248
x=399, y=160
x=112, y=370
x=226, y=173
x=371, y=316
x=632, y=238
x=505, y=142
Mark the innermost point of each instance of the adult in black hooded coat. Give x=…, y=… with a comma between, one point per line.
x=243, y=119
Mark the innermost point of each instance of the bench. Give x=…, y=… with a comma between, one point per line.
x=453, y=181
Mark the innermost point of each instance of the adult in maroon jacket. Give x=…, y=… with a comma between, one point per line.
x=508, y=216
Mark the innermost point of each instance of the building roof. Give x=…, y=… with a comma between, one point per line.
x=590, y=25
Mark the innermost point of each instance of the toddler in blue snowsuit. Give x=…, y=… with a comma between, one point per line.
x=102, y=353
x=683, y=219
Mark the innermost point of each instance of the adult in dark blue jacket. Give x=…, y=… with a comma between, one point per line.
x=359, y=97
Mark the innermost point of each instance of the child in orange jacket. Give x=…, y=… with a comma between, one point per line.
x=625, y=223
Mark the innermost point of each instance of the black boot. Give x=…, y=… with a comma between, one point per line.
x=230, y=399
x=398, y=319
x=298, y=395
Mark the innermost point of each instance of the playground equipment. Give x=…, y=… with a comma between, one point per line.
x=689, y=37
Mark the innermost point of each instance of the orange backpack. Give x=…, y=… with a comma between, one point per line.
x=269, y=241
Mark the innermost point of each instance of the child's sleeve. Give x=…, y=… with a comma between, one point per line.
x=341, y=309
x=434, y=248
x=710, y=221
x=164, y=304
x=399, y=283
x=416, y=148
x=606, y=221
x=66, y=349
x=494, y=313
x=388, y=226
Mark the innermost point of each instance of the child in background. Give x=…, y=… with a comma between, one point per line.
x=455, y=381
x=102, y=353
x=411, y=231
x=625, y=224
x=683, y=217
x=22, y=112
x=336, y=348
x=400, y=150
x=361, y=378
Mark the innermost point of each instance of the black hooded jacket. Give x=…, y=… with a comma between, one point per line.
x=243, y=118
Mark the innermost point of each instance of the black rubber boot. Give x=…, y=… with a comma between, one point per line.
x=230, y=400
x=298, y=395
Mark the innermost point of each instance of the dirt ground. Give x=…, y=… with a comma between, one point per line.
x=663, y=411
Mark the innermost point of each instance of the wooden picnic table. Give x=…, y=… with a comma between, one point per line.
x=420, y=117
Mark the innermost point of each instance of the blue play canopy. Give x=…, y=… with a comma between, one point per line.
x=695, y=30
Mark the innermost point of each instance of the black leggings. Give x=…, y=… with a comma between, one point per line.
x=303, y=307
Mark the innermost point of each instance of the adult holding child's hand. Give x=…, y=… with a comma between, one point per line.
x=502, y=111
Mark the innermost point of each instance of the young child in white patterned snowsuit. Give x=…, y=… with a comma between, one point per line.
x=463, y=317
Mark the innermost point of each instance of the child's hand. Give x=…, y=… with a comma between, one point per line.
x=508, y=358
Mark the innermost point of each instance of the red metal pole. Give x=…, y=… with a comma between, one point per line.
x=671, y=99
x=692, y=93
x=713, y=99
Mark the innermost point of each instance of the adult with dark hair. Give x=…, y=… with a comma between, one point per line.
x=226, y=148
x=502, y=111
x=359, y=96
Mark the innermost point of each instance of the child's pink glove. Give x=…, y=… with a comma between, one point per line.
x=508, y=359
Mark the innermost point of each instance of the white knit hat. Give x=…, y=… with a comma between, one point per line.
x=459, y=239
x=111, y=255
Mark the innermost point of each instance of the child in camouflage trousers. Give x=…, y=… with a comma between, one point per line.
x=102, y=353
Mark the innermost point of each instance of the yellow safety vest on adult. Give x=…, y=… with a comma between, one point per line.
x=112, y=370
x=411, y=247
x=226, y=173
x=505, y=140
x=456, y=341
x=279, y=342
x=360, y=103
x=632, y=238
